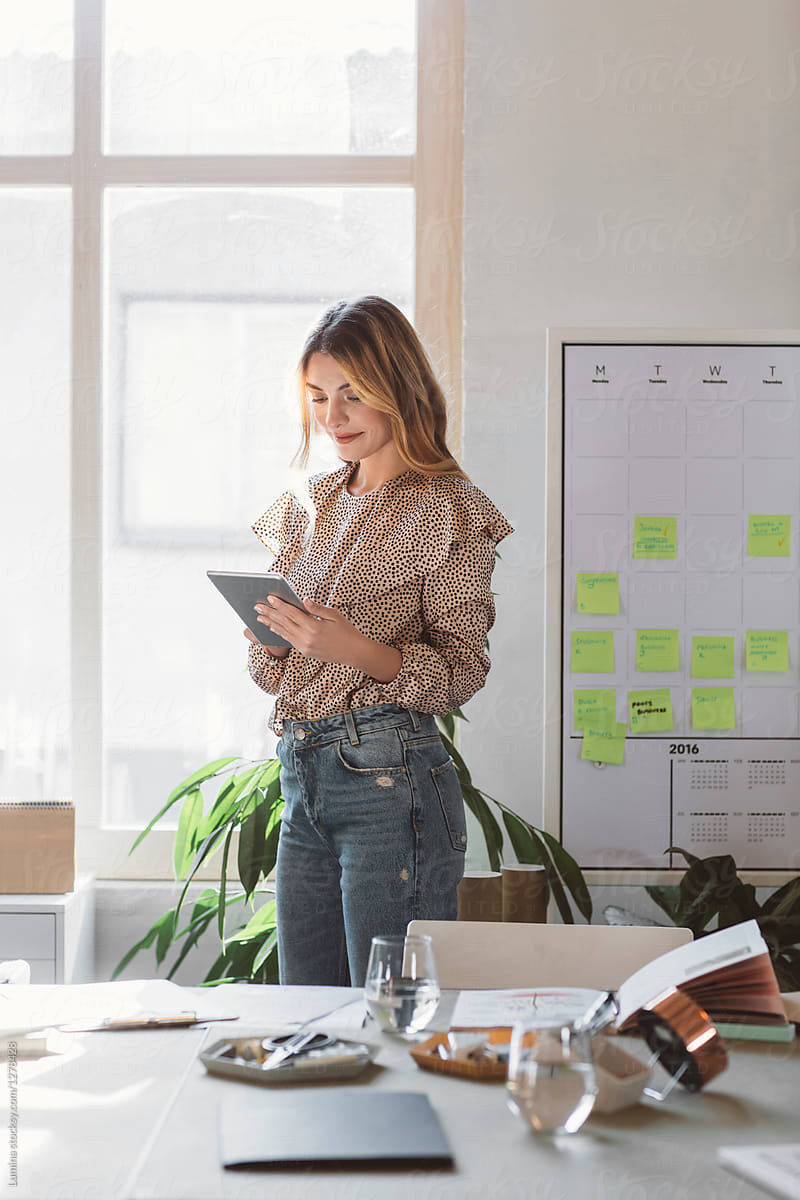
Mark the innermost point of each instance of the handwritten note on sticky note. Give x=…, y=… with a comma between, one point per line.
x=713, y=708
x=595, y=707
x=657, y=650
x=768, y=536
x=655, y=537
x=605, y=745
x=712, y=657
x=767, y=650
x=598, y=593
x=593, y=650
x=650, y=712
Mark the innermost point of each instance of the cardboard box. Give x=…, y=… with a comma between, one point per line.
x=37, y=847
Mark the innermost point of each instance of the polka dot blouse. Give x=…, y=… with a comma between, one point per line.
x=410, y=565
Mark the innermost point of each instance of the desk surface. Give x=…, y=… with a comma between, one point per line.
x=133, y=1116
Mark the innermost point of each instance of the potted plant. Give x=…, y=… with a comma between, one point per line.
x=249, y=803
x=712, y=892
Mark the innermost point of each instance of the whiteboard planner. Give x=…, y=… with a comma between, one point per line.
x=674, y=621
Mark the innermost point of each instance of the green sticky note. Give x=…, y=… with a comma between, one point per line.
x=593, y=650
x=712, y=657
x=768, y=537
x=655, y=537
x=650, y=712
x=657, y=650
x=605, y=745
x=598, y=593
x=595, y=707
x=713, y=708
x=767, y=650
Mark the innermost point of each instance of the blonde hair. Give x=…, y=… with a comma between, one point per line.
x=380, y=353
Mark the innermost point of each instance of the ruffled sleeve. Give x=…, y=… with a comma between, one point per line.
x=455, y=537
x=285, y=526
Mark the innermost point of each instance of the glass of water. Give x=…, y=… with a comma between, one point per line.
x=402, y=988
x=551, y=1077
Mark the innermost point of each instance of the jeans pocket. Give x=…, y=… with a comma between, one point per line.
x=379, y=753
x=445, y=780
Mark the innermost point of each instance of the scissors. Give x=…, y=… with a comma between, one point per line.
x=270, y=1052
x=289, y=1045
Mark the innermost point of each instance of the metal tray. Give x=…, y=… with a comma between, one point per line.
x=237, y=1058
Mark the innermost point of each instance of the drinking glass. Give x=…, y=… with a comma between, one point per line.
x=551, y=1077
x=402, y=988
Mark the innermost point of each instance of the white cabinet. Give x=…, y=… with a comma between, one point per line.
x=55, y=934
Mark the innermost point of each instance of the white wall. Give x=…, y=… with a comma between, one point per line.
x=627, y=163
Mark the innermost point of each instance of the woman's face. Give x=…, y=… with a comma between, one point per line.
x=356, y=430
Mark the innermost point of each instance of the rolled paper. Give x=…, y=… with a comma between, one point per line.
x=480, y=896
x=525, y=893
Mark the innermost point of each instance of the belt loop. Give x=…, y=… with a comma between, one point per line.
x=414, y=719
x=351, y=728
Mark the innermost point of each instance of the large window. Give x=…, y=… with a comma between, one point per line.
x=184, y=186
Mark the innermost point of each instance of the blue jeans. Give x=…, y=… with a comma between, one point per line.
x=373, y=836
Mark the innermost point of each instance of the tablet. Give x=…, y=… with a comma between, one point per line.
x=243, y=590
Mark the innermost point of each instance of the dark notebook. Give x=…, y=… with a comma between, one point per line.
x=334, y=1126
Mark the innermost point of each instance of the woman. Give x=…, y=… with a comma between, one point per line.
x=394, y=571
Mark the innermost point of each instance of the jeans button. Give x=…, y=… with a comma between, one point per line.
x=300, y=734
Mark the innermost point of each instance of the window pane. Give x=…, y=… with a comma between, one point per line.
x=35, y=248
x=209, y=295
x=36, y=77
x=260, y=77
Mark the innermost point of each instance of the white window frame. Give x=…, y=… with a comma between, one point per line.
x=434, y=171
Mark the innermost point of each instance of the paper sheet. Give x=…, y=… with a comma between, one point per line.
x=597, y=593
x=655, y=537
x=768, y=536
x=650, y=711
x=593, y=650
x=657, y=650
x=503, y=1007
x=39, y=1006
x=712, y=657
x=767, y=650
x=604, y=745
x=775, y=1168
x=594, y=706
x=713, y=708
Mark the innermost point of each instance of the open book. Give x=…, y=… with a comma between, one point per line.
x=728, y=973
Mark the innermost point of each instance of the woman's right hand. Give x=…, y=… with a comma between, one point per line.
x=273, y=651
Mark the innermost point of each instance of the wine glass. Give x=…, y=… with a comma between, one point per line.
x=552, y=1082
x=402, y=987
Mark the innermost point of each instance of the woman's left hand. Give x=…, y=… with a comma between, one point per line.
x=322, y=633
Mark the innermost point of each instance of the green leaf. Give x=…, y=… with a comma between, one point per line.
x=206, y=848
x=252, y=838
x=146, y=941
x=492, y=833
x=787, y=970
x=186, y=835
x=783, y=901
x=180, y=791
x=570, y=872
x=223, y=877
x=690, y=858
x=261, y=921
x=235, y=789
x=268, y=946
x=666, y=898
x=270, y=858
x=165, y=927
x=525, y=847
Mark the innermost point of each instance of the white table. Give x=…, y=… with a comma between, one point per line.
x=133, y=1116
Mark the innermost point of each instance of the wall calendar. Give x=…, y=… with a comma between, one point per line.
x=673, y=638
